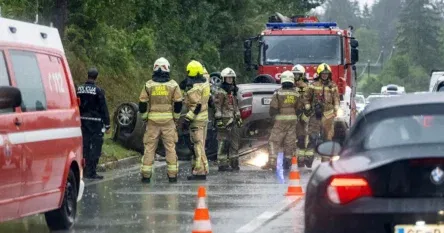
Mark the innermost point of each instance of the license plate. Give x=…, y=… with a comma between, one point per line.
x=419, y=229
x=266, y=101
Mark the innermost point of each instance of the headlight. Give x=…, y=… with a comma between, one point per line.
x=340, y=112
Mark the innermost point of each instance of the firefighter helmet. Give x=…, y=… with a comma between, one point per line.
x=298, y=69
x=228, y=72
x=287, y=77
x=194, y=69
x=161, y=64
x=323, y=68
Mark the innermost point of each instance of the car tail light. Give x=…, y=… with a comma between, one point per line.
x=427, y=121
x=78, y=101
x=343, y=190
x=83, y=163
x=247, y=94
x=246, y=112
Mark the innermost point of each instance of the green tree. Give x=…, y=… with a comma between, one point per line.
x=344, y=12
x=419, y=33
x=368, y=44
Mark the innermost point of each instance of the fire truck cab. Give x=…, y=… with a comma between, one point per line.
x=304, y=40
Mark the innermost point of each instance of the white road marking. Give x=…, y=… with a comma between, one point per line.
x=269, y=215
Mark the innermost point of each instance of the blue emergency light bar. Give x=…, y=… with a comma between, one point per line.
x=300, y=25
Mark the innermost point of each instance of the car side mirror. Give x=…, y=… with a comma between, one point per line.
x=10, y=97
x=329, y=148
x=354, y=55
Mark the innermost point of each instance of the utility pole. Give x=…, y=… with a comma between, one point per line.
x=368, y=69
x=382, y=58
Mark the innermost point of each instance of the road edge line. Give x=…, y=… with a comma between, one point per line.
x=267, y=216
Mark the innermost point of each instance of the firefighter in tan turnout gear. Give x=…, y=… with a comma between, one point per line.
x=302, y=86
x=227, y=117
x=197, y=95
x=323, y=98
x=160, y=105
x=283, y=109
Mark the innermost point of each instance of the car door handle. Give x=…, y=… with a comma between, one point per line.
x=17, y=122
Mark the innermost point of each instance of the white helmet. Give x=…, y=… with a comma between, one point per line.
x=287, y=77
x=228, y=72
x=298, y=69
x=162, y=64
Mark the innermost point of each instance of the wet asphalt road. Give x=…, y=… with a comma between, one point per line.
x=120, y=203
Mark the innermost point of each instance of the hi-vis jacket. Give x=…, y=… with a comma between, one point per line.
x=226, y=104
x=302, y=87
x=326, y=95
x=160, y=98
x=198, y=94
x=286, y=102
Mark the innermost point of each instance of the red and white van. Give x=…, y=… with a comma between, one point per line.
x=40, y=136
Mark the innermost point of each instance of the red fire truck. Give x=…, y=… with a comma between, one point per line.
x=304, y=40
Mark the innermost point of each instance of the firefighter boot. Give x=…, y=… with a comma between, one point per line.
x=287, y=163
x=224, y=168
x=234, y=162
x=309, y=161
x=271, y=164
x=301, y=160
x=146, y=180
x=172, y=179
x=197, y=177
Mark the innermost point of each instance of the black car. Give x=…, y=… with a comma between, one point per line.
x=389, y=175
x=129, y=129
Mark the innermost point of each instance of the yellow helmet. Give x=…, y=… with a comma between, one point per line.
x=298, y=69
x=287, y=77
x=194, y=69
x=323, y=68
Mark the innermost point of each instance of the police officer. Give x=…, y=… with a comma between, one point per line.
x=302, y=86
x=160, y=105
x=95, y=121
x=323, y=98
x=196, y=119
x=227, y=116
x=283, y=109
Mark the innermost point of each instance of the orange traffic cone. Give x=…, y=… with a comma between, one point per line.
x=294, y=187
x=201, y=222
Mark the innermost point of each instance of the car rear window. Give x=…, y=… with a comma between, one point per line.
x=405, y=130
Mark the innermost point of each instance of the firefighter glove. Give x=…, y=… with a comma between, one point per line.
x=239, y=122
x=220, y=124
x=318, y=109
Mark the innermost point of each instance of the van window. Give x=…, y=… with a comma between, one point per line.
x=4, y=79
x=29, y=80
x=54, y=82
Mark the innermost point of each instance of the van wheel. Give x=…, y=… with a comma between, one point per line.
x=64, y=217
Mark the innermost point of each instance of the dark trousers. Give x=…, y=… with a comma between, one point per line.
x=92, y=145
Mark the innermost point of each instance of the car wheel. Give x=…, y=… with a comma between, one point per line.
x=215, y=80
x=264, y=78
x=64, y=217
x=126, y=115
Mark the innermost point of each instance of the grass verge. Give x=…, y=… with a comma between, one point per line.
x=112, y=151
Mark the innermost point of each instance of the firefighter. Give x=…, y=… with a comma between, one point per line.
x=302, y=86
x=323, y=104
x=283, y=109
x=196, y=119
x=160, y=105
x=95, y=121
x=227, y=116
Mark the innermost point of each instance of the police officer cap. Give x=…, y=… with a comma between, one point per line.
x=93, y=73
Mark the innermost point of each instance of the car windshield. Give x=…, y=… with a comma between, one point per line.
x=360, y=99
x=302, y=50
x=405, y=130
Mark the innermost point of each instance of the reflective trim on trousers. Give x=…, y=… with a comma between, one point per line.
x=173, y=168
x=328, y=114
x=146, y=171
x=286, y=117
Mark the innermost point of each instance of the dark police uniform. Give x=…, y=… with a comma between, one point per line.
x=95, y=116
